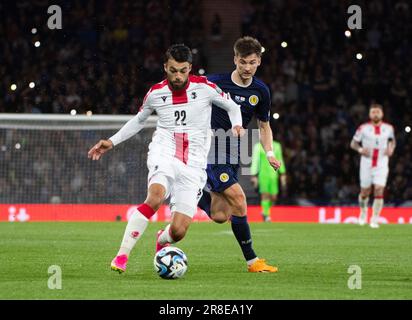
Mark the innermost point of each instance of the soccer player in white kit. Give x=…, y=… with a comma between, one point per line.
x=177, y=155
x=375, y=142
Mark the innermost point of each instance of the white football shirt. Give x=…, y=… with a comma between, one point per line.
x=183, y=127
x=375, y=138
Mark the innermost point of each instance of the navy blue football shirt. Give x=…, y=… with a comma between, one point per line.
x=254, y=99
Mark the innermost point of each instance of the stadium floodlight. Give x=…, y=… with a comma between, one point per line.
x=13, y=87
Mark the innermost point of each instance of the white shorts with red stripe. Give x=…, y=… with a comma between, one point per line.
x=370, y=175
x=183, y=183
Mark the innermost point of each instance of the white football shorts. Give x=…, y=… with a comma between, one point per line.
x=184, y=184
x=373, y=175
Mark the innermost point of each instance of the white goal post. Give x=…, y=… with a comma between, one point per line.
x=76, y=122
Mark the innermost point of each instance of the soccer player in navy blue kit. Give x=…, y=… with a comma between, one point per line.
x=227, y=199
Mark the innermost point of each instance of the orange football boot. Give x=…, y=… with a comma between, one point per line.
x=260, y=265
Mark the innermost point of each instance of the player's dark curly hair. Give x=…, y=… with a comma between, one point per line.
x=179, y=52
x=246, y=46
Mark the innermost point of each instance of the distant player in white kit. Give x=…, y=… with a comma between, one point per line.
x=375, y=142
x=177, y=155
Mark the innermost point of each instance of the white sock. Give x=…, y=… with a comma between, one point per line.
x=250, y=262
x=377, y=208
x=165, y=236
x=363, y=204
x=135, y=227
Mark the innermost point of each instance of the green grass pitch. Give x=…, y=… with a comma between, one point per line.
x=313, y=262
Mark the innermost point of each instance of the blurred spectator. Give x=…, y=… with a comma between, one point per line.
x=109, y=53
x=216, y=28
x=322, y=92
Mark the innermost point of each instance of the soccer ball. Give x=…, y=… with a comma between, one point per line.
x=170, y=263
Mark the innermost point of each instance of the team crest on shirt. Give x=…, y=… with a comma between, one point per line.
x=224, y=177
x=253, y=100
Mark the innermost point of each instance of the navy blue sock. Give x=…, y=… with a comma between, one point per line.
x=241, y=230
x=205, y=202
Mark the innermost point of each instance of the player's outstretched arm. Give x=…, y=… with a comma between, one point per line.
x=99, y=149
x=266, y=139
x=233, y=110
x=131, y=127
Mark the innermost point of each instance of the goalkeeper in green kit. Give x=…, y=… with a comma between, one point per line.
x=266, y=178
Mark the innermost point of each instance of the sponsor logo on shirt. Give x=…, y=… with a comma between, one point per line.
x=240, y=99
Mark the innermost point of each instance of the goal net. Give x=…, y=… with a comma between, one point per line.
x=43, y=159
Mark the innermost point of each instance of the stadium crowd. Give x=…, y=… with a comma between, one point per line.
x=109, y=53
x=106, y=54
x=322, y=92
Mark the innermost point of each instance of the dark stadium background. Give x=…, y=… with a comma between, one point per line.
x=108, y=54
